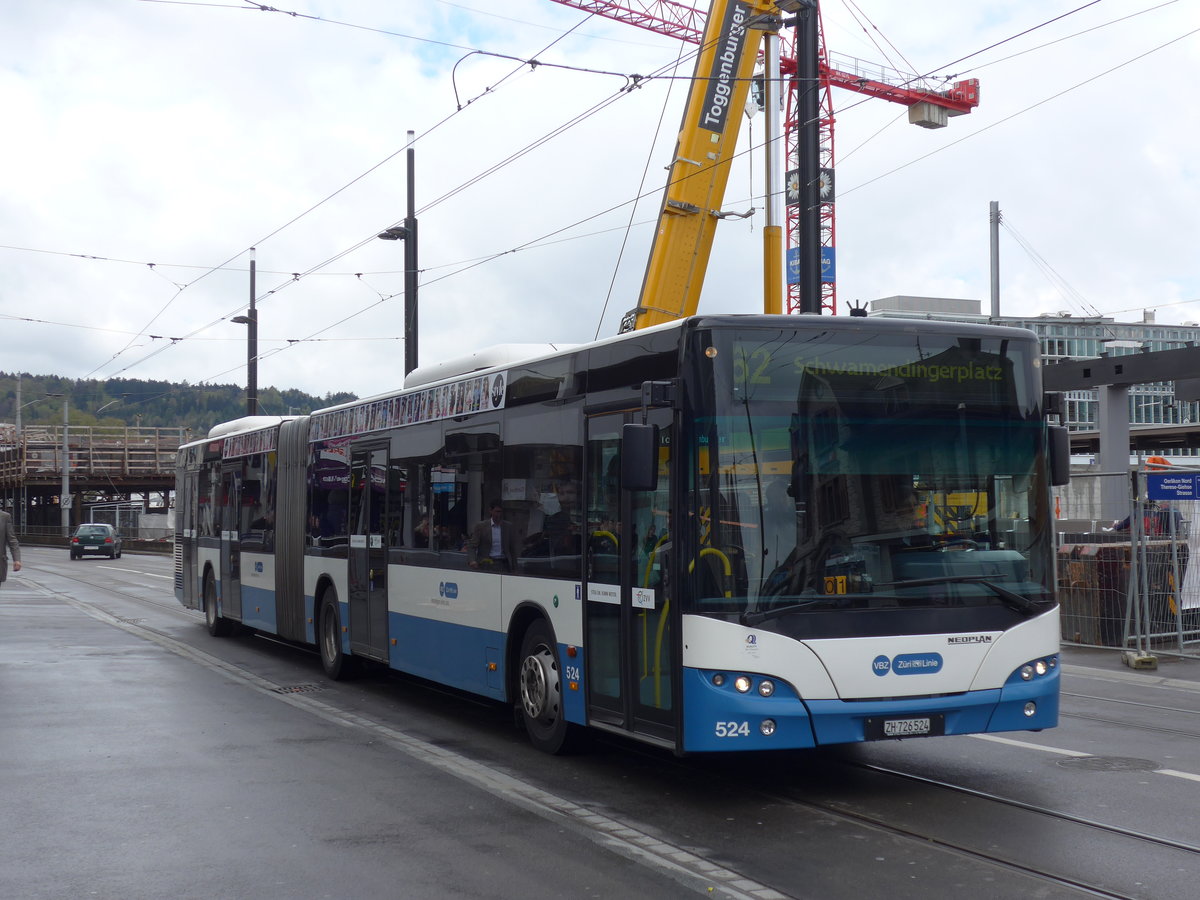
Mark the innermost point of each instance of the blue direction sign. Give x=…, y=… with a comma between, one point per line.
x=1171, y=487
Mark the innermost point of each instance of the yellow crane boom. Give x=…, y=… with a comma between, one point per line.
x=700, y=171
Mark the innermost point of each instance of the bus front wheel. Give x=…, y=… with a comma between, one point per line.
x=333, y=659
x=218, y=625
x=541, y=699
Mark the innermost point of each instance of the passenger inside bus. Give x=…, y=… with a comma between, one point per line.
x=493, y=543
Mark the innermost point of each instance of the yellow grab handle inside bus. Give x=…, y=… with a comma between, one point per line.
x=713, y=551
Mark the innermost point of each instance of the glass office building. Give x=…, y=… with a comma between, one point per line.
x=1065, y=336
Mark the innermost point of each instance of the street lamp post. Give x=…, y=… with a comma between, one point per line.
x=408, y=234
x=65, y=499
x=250, y=320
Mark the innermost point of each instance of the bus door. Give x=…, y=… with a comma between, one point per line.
x=629, y=616
x=231, y=541
x=186, y=533
x=368, y=582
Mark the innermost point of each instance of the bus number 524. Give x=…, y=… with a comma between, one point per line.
x=733, y=729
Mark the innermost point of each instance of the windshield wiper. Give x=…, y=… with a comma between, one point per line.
x=1011, y=599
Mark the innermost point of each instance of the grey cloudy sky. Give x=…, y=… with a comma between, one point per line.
x=148, y=145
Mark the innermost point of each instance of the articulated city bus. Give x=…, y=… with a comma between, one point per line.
x=716, y=534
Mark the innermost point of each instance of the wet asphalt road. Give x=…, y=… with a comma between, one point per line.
x=141, y=758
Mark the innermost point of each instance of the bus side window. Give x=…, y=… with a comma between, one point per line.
x=329, y=472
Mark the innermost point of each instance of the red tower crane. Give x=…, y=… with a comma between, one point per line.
x=927, y=107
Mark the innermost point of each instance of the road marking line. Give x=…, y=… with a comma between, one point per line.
x=1174, y=773
x=137, y=572
x=1026, y=744
x=630, y=841
x=1177, y=774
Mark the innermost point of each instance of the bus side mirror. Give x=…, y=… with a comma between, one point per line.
x=639, y=457
x=1060, y=455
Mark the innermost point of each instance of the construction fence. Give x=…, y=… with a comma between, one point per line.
x=1126, y=577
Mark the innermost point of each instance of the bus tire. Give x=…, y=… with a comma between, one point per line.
x=540, y=696
x=329, y=640
x=217, y=625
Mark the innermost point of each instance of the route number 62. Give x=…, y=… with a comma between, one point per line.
x=732, y=729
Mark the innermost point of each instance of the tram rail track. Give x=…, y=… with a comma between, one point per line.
x=1194, y=714
x=1138, y=726
x=1158, y=707
x=170, y=604
x=1039, y=810
x=876, y=817
x=1188, y=852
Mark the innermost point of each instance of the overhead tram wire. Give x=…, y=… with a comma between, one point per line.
x=1020, y=112
x=558, y=231
x=633, y=207
x=1068, y=37
x=482, y=260
x=931, y=73
x=374, y=234
x=248, y=6
x=1064, y=287
x=535, y=241
x=546, y=138
x=261, y=7
x=857, y=14
x=976, y=68
x=312, y=208
x=449, y=194
x=296, y=277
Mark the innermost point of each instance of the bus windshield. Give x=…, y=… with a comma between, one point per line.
x=831, y=471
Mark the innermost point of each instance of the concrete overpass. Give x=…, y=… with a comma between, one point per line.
x=104, y=467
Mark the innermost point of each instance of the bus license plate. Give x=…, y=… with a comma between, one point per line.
x=878, y=729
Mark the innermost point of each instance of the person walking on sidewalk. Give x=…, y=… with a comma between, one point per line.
x=8, y=544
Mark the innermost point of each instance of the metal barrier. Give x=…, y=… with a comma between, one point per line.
x=1129, y=583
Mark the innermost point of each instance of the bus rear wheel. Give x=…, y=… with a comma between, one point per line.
x=541, y=697
x=217, y=625
x=333, y=659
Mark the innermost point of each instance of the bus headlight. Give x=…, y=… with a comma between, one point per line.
x=767, y=727
x=1027, y=672
x=766, y=687
x=1030, y=709
x=718, y=679
x=742, y=684
x=1041, y=667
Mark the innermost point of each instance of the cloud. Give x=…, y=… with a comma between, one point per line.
x=189, y=134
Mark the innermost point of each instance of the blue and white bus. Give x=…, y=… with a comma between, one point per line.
x=727, y=532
